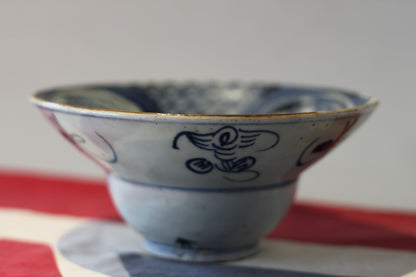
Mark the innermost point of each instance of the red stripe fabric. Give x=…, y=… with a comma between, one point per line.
x=23, y=259
x=56, y=194
x=305, y=222
x=348, y=226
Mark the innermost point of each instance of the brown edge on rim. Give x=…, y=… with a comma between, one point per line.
x=372, y=102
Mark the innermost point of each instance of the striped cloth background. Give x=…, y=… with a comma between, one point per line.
x=61, y=226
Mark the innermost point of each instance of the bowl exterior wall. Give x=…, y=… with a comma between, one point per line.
x=203, y=188
x=214, y=153
x=201, y=219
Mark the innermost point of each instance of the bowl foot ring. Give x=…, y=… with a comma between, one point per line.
x=183, y=252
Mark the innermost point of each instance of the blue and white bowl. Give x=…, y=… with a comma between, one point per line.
x=203, y=170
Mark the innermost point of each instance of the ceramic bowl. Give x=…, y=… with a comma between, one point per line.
x=203, y=170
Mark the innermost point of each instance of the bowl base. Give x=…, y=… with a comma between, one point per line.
x=189, y=254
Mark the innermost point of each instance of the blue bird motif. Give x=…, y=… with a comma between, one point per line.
x=228, y=145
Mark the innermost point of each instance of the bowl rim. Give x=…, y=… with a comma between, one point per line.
x=37, y=100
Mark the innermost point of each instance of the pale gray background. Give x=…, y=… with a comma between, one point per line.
x=365, y=45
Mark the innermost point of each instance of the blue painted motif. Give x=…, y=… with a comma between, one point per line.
x=113, y=158
x=228, y=145
x=80, y=140
x=316, y=149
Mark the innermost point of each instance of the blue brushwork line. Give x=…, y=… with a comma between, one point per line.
x=214, y=190
x=250, y=136
x=247, y=140
x=246, y=145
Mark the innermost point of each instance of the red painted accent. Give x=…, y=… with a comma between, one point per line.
x=23, y=259
x=50, y=116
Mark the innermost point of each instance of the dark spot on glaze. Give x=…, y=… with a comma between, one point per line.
x=323, y=146
x=185, y=243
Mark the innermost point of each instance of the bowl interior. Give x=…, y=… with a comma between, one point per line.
x=205, y=99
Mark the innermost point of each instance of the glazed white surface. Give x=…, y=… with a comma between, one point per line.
x=209, y=220
x=366, y=46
